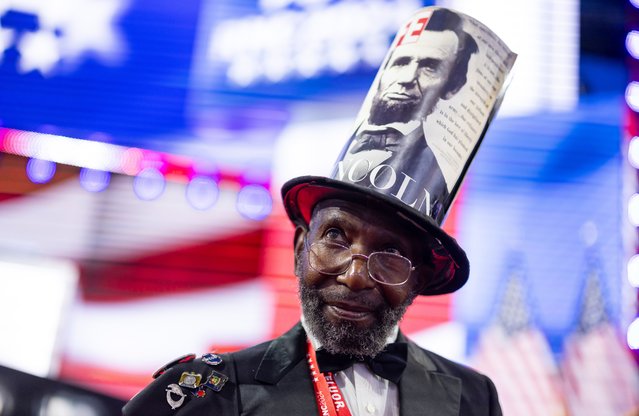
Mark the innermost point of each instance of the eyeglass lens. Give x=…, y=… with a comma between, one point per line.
x=383, y=267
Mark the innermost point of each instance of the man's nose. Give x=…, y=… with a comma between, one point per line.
x=408, y=74
x=356, y=276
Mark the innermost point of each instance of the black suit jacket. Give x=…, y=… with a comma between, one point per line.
x=273, y=378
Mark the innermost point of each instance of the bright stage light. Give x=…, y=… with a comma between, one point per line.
x=149, y=184
x=202, y=192
x=633, y=152
x=633, y=334
x=632, y=44
x=632, y=96
x=633, y=210
x=633, y=270
x=40, y=171
x=254, y=202
x=94, y=180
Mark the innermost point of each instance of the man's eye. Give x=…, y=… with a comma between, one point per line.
x=401, y=61
x=428, y=69
x=334, y=234
x=429, y=65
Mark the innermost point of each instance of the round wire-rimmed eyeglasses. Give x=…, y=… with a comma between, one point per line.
x=334, y=259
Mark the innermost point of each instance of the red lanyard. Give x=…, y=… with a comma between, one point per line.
x=328, y=396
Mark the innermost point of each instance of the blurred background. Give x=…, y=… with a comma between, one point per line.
x=143, y=144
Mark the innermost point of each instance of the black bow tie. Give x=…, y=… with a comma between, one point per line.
x=376, y=140
x=388, y=364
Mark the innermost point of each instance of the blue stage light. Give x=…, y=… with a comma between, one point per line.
x=94, y=180
x=40, y=171
x=254, y=202
x=202, y=192
x=149, y=184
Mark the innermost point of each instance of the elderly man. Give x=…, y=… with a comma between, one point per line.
x=362, y=255
x=360, y=263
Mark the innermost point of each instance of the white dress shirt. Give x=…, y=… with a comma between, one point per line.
x=366, y=393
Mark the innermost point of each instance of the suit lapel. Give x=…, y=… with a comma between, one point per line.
x=282, y=354
x=285, y=369
x=423, y=390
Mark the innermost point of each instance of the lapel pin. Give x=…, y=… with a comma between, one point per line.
x=199, y=392
x=174, y=389
x=216, y=381
x=190, y=380
x=212, y=359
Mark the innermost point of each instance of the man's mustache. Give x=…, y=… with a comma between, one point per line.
x=339, y=293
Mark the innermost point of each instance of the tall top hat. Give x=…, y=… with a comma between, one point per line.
x=418, y=131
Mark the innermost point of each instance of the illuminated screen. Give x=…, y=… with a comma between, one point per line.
x=168, y=209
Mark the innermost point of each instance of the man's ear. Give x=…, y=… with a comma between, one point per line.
x=298, y=247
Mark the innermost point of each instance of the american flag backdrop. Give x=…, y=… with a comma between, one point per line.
x=600, y=377
x=596, y=374
x=515, y=353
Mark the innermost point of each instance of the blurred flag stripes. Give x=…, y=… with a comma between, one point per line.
x=516, y=355
x=600, y=376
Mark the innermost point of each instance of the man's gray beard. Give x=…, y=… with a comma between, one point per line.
x=384, y=112
x=346, y=337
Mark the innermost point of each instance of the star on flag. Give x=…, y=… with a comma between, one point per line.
x=68, y=31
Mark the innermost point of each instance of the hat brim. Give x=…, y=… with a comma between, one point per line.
x=300, y=195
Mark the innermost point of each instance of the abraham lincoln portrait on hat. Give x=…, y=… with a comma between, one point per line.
x=429, y=63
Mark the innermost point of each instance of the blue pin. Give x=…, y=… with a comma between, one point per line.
x=212, y=359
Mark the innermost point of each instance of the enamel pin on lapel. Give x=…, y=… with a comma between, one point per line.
x=216, y=381
x=174, y=389
x=212, y=359
x=190, y=380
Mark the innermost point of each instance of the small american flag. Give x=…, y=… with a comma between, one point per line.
x=516, y=355
x=599, y=374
